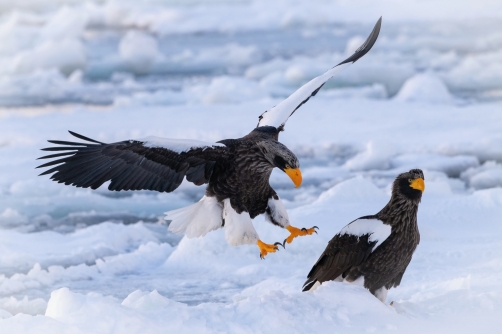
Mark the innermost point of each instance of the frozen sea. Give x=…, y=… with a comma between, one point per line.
x=428, y=95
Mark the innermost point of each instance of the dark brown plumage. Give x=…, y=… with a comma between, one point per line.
x=377, y=248
x=239, y=169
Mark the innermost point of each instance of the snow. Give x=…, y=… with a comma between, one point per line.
x=486, y=176
x=67, y=55
x=424, y=87
x=139, y=51
x=377, y=230
x=427, y=96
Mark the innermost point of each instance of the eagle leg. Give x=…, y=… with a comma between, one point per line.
x=297, y=232
x=267, y=248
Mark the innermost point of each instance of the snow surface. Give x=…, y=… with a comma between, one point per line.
x=80, y=261
x=424, y=87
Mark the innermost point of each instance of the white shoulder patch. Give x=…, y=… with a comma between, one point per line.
x=177, y=145
x=278, y=212
x=198, y=219
x=377, y=230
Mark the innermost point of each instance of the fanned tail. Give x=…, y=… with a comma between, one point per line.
x=196, y=220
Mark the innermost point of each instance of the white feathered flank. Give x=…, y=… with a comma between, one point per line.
x=278, y=212
x=239, y=229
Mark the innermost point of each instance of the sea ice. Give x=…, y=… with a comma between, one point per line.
x=424, y=87
x=427, y=96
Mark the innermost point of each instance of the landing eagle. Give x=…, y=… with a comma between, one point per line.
x=236, y=171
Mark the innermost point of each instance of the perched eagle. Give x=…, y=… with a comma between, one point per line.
x=374, y=251
x=237, y=171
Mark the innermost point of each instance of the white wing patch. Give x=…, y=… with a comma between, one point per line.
x=177, y=145
x=239, y=229
x=377, y=230
x=198, y=219
x=278, y=212
x=278, y=115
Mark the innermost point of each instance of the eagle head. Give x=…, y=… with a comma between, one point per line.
x=410, y=185
x=281, y=157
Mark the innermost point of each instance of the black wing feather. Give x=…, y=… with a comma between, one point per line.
x=129, y=165
x=342, y=253
x=367, y=45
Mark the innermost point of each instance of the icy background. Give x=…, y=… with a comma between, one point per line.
x=429, y=95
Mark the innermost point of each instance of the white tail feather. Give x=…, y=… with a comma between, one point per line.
x=196, y=220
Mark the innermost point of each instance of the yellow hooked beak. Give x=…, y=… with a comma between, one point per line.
x=295, y=175
x=418, y=184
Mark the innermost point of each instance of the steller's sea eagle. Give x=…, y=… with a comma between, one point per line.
x=374, y=251
x=237, y=171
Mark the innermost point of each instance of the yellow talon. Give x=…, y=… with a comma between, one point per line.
x=267, y=248
x=296, y=232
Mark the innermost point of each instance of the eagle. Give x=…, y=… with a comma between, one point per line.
x=374, y=251
x=236, y=171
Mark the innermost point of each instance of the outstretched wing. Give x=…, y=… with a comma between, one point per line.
x=278, y=115
x=351, y=247
x=152, y=163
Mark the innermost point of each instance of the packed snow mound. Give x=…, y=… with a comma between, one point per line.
x=24, y=250
x=225, y=89
x=67, y=55
x=488, y=175
x=425, y=87
x=139, y=51
x=150, y=312
x=452, y=166
x=375, y=91
x=355, y=189
x=376, y=156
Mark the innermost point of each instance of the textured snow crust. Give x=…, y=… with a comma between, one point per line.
x=141, y=275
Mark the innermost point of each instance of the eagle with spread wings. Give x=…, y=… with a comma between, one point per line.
x=236, y=171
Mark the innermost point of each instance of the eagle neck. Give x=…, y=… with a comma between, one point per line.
x=399, y=210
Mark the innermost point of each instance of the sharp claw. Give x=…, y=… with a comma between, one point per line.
x=284, y=243
x=277, y=244
x=315, y=231
x=304, y=229
x=315, y=227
